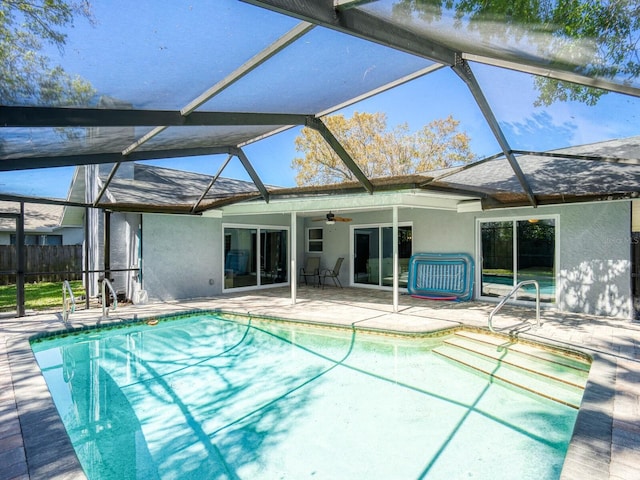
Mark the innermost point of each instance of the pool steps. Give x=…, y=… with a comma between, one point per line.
x=527, y=358
x=526, y=349
x=542, y=372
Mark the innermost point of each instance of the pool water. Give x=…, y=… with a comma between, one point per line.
x=204, y=397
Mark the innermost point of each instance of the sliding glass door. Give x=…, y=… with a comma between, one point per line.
x=373, y=255
x=255, y=256
x=516, y=250
x=273, y=256
x=366, y=254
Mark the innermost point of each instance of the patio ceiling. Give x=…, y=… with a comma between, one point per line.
x=245, y=70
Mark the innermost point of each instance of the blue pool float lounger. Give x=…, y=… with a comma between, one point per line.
x=441, y=276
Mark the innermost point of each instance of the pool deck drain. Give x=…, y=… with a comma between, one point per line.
x=606, y=439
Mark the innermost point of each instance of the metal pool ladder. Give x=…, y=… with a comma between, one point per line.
x=68, y=303
x=508, y=296
x=105, y=311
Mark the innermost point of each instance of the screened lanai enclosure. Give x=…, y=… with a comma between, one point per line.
x=218, y=90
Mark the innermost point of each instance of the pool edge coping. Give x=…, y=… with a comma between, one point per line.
x=50, y=455
x=583, y=453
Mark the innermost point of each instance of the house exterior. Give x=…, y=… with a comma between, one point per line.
x=592, y=263
x=43, y=225
x=143, y=188
x=576, y=242
x=53, y=248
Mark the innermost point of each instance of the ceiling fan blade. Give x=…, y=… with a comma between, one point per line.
x=330, y=217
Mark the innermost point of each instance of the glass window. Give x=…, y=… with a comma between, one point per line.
x=517, y=250
x=366, y=267
x=497, y=258
x=255, y=256
x=35, y=239
x=273, y=256
x=373, y=255
x=314, y=239
x=241, y=247
x=53, y=240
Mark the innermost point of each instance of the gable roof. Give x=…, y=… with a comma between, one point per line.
x=558, y=176
x=165, y=187
x=37, y=218
x=150, y=188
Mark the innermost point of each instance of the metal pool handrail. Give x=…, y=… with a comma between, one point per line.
x=508, y=296
x=68, y=307
x=105, y=310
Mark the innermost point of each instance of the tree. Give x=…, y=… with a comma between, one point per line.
x=26, y=74
x=595, y=38
x=378, y=151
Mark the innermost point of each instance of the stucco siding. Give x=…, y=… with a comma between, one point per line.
x=118, y=253
x=182, y=254
x=437, y=231
x=181, y=257
x=594, y=271
x=595, y=259
x=71, y=235
x=335, y=245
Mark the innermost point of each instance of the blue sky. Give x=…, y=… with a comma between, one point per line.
x=434, y=96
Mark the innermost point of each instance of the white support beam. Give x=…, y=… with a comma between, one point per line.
x=396, y=267
x=293, y=248
x=381, y=200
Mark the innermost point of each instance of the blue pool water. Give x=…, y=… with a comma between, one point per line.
x=204, y=397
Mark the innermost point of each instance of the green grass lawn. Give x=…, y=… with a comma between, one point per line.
x=38, y=296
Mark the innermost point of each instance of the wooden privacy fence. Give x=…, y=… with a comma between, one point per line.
x=44, y=263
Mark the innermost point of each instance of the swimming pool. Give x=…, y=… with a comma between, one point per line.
x=206, y=396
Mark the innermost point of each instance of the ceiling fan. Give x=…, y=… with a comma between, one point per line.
x=330, y=219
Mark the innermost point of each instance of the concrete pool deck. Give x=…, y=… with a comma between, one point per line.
x=606, y=438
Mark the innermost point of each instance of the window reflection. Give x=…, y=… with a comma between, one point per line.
x=515, y=251
x=373, y=264
x=255, y=256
